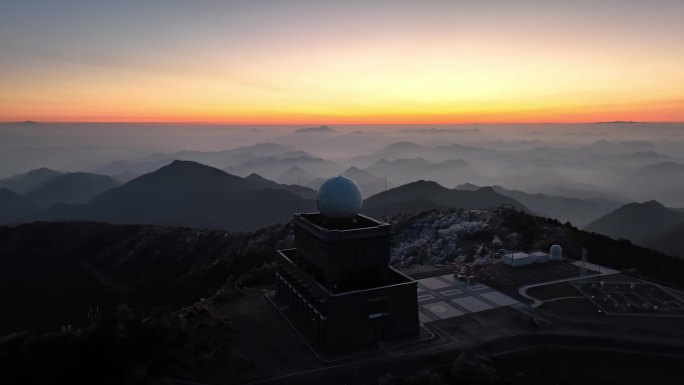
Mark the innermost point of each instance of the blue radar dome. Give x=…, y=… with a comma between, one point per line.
x=339, y=198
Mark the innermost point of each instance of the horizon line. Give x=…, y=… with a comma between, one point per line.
x=181, y=122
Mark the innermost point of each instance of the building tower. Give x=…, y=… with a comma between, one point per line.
x=336, y=284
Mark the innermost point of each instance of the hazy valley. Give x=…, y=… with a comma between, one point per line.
x=160, y=254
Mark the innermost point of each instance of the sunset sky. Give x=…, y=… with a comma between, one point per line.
x=310, y=62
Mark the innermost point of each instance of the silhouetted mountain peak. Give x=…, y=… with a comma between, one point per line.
x=42, y=171
x=6, y=193
x=486, y=189
x=665, y=167
x=180, y=168
x=651, y=206
x=425, y=194
x=654, y=204
x=636, y=221
x=422, y=184
x=36, y=173
x=402, y=146
x=185, y=175
x=29, y=181
x=73, y=187
x=255, y=177
x=467, y=186
x=319, y=129
x=295, y=171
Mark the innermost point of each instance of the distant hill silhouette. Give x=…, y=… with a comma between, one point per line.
x=370, y=184
x=669, y=241
x=645, y=156
x=303, y=191
x=665, y=168
x=579, y=212
x=122, y=169
x=467, y=186
x=273, y=167
x=77, y=187
x=316, y=130
x=29, y=181
x=405, y=170
x=187, y=193
x=11, y=205
x=295, y=174
x=636, y=221
x=424, y=195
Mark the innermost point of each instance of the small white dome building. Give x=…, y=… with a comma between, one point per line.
x=556, y=253
x=339, y=198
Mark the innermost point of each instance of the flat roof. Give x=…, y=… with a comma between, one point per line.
x=357, y=222
x=517, y=255
x=331, y=230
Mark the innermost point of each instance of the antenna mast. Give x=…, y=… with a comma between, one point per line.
x=297, y=194
x=583, y=268
x=385, y=198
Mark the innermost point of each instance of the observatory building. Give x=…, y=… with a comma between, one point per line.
x=556, y=253
x=336, y=286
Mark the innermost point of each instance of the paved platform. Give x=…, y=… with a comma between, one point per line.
x=445, y=297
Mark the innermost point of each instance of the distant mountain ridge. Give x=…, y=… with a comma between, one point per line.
x=669, y=241
x=422, y=195
x=129, y=169
x=295, y=174
x=11, y=204
x=302, y=191
x=637, y=221
x=579, y=212
x=369, y=183
x=665, y=168
x=317, y=130
x=76, y=187
x=186, y=193
x=29, y=181
x=403, y=170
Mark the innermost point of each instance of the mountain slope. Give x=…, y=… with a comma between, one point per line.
x=579, y=212
x=303, y=191
x=27, y=182
x=273, y=166
x=405, y=170
x=636, y=221
x=669, y=241
x=424, y=195
x=77, y=187
x=11, y=205
x=431, y=237
x=187, y=193
x=315, y=130
x=370, y=184
x=666, y=168
x=63, y=269
x=295, y=174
